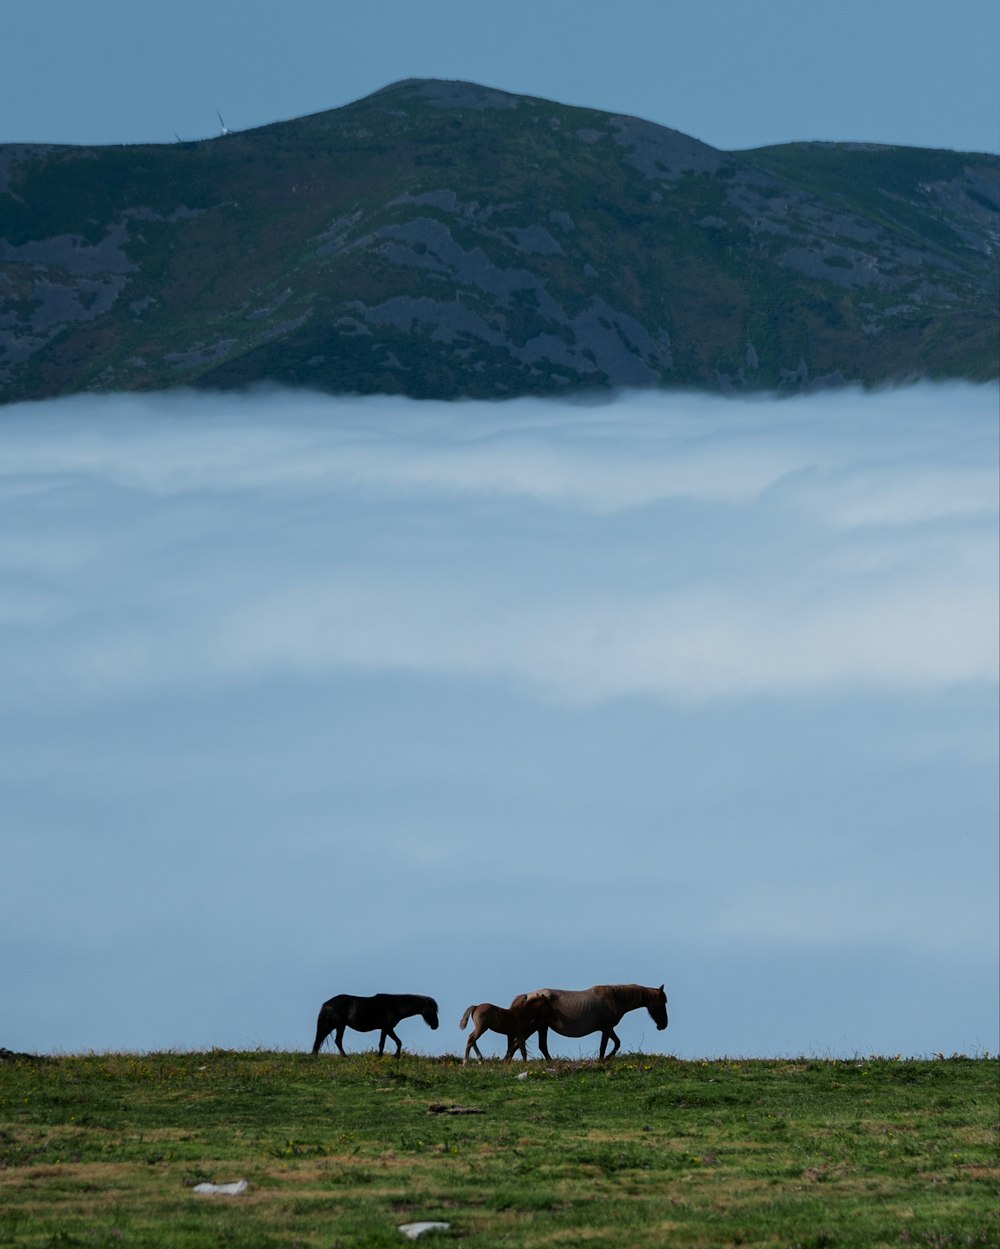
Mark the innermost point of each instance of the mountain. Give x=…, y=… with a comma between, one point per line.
x=448, y=239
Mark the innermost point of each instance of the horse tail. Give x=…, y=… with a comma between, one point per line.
x=325, y=1024
x=466, y=1017
x=322, y=1029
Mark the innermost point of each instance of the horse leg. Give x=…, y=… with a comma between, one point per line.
x=339, y=1038
x=474, y=1036
x=387, y=1032
x=610, y=1035
x=515, y=1043
x=543, y=1033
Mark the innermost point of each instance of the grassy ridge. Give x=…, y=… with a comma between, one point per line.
x=646, y=1150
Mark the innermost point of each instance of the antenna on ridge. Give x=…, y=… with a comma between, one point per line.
x=225, y=128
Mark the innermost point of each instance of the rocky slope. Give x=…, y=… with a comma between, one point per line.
x=446, y=239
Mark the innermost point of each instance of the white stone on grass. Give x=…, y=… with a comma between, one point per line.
x=412, y=1230
x=228, y=1190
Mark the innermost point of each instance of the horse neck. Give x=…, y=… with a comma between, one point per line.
x=410, y=1004
x=631, y=996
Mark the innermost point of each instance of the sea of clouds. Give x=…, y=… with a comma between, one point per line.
x=303, y=695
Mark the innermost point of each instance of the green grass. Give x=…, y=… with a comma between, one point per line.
x=645, y=1150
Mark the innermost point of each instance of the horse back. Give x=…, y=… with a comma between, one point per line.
x=363, y=1014
x=577, y=1012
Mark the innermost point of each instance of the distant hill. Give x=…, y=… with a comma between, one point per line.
x=447, y=239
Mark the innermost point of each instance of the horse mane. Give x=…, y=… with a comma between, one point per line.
x=628, y=995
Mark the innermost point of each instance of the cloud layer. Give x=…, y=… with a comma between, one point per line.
x=669, y=546
x=660, y=688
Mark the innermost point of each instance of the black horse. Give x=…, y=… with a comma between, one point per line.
x=365, y=1014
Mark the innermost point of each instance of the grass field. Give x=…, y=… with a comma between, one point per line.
x=645, y=1150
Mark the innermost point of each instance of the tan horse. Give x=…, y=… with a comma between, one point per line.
x=578, y=1012
x=516, y=1023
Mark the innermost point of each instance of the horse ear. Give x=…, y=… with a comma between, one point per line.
x=661, y=988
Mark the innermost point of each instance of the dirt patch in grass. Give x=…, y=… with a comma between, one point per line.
x=101, y=1175
x=580, y=1235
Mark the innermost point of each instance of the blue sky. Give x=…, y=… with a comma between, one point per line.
x=733, y=74
x=302, y=695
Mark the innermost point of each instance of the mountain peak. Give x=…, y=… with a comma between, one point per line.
x=450, y=93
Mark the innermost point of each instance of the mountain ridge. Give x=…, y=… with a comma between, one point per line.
x=444, y=239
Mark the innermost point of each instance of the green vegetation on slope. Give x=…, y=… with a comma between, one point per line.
x=443, y=239
x=645, y=1150
x=894, y=185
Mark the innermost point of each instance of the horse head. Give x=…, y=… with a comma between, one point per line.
x=536, y=1006
x=429, y=1013
x=657, y=1007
